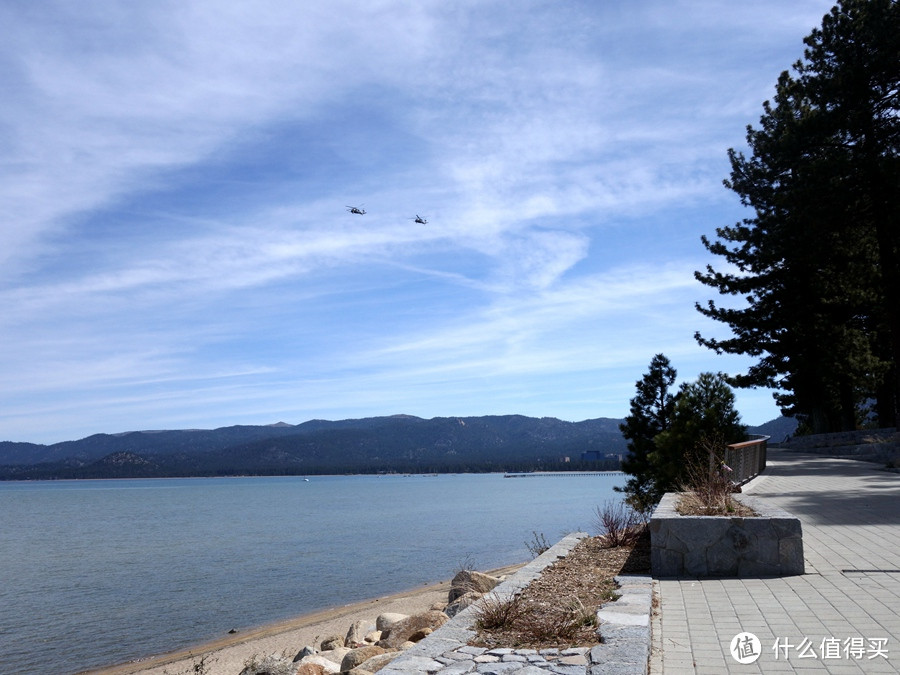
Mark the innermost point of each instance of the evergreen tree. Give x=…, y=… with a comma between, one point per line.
x=819, y=263
x=651, y=410
x=704, y=410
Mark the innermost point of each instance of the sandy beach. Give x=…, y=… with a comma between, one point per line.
x=228, y=655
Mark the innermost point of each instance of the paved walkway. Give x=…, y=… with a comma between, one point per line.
x=839, y=617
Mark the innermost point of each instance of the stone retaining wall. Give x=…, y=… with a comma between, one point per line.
x=881, y=446
x=624, y=628
x=718, y=546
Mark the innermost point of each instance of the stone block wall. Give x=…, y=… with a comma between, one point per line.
x=768, y=545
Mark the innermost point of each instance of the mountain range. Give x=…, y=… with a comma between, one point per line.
x=398, y=443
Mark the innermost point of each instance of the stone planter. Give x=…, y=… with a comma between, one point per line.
x=767, y=545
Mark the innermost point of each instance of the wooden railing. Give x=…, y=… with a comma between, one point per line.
x=747, y=459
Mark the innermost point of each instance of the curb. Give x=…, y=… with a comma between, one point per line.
x=624, y=627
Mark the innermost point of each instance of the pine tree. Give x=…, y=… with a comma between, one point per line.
x=704, y=411
x=818, y=265
x=651, y=410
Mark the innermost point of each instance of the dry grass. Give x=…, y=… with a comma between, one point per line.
x=559, y=608
x=692, y=504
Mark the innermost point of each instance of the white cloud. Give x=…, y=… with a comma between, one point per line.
x=174, y=237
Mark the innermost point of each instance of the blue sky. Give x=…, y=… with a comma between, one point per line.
x=175, y=249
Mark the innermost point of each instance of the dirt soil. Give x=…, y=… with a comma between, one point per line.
x=559, y=608
x=692, y=505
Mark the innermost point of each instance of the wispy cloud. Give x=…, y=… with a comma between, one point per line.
x=175, y=248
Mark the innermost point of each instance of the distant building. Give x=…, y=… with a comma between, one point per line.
x=598, y=456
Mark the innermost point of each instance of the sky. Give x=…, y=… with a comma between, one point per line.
x=175, y=245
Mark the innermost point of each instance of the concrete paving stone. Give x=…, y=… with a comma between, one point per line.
x=838, y=534
x=409, y=664
x=458, y=655
x=563, y=669
x=678, y=665
x=530, y=670
x=776, y=667
x=458, y=668
x=497, y=668
x=838, y=669
x=618, y=669
x=474, y=651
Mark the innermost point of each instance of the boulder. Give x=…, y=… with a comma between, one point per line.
x=360, y=671
x=311, y=669
x=420, y=634
x=332, y=642
x=269, y=665
x=470, y=580
x=335, y=655
x=306, y=651
x=356, y=656
x=388, y=619
x=462, y=602
x=328, y=666
x=373, y=637
x=378, y=662
x=357, y=633
x=403, y=630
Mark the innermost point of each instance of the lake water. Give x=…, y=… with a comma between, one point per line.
x=94, y=573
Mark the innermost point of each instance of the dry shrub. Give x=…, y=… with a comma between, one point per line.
x=559, y=624
x=618, y=524
x=572, y=622
x=496, y=613
x=538, y=544
x=709, y=488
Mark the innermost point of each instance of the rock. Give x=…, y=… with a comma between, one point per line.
x=378, y=662
x=359, y=671
x=306, y=651
x=403, y=630
x=328, y=666
x=332, y=642
x=357, y=632
x=336, y=655
x=470, y=580
x=373, y=637
x=269, y=665
x=420, y=634
x=356, y=656
x=388, y=619
x=462, y=602
x=311, y=669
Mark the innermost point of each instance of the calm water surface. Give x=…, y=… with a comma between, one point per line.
x=99, y=572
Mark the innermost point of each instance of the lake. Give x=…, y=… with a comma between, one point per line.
x=99, y=572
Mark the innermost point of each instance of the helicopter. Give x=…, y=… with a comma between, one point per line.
x=357, y=210
x=419, y=219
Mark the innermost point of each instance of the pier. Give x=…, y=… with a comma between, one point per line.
x=562, y=474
